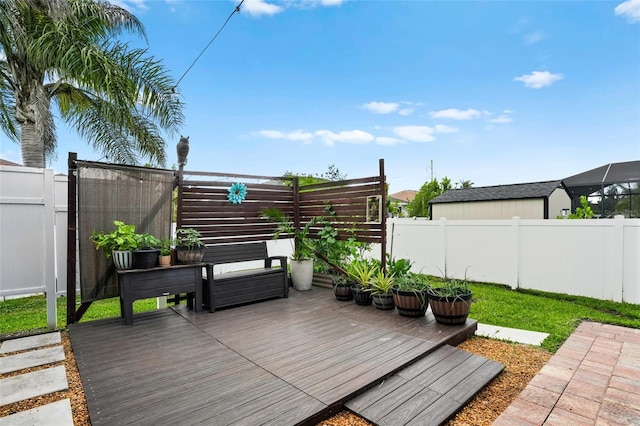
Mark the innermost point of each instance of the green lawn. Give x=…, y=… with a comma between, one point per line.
x=555, y=314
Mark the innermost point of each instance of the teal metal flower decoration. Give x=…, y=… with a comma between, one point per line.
x=237, y=193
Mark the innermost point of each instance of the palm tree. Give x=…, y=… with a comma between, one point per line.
x=62, y=53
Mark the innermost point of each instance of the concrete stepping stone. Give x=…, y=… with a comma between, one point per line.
x=30, y=342
x=511, y=334
x=54, y=414
x=30, y=385
x=30, y=359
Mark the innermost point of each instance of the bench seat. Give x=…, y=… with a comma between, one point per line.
x=247, y=285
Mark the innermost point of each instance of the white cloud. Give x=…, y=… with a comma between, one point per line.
x=456, y=114
x=501, y=119
x=388, y=140
x=539, y=79
x=415, y=133
x=630, y=9
x=296, y=135
x=346, y=136
x=441, y=128
x=381, y=107
x=534, y=37
x=405, y=111
x=260, y=7
x=331, y=2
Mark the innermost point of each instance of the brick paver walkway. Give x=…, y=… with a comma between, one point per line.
x=593, y=379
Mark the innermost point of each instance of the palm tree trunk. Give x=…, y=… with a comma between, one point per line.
x=31, y=145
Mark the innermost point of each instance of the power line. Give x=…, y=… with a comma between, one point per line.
x=236, y=10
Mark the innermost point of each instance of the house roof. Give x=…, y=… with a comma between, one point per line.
x=404, y=196
x=592, y=180
x=4, y=162
x=499, y=192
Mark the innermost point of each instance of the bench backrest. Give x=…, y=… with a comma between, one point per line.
x=230, y=253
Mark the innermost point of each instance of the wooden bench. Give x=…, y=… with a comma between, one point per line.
x=249, y=285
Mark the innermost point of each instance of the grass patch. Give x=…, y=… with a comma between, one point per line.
x=28, y=315
x=556, y=314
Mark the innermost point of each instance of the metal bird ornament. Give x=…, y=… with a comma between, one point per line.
x=183, y=150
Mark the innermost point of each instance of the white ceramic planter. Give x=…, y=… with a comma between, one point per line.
x=302, y=274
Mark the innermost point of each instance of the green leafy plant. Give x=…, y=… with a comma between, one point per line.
x=417, y=283
x=188, y=238
x=398, y=268
x=361, y=271
x=147, y=241
x=303, y=244
x=165, y=246
x=452, y=289
x=122, y=238
x=583, y=212
x=382, y=283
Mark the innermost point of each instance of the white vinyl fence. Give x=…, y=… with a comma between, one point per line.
x=29, y=237
x=593, y=258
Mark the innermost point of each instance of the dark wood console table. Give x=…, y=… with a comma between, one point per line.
x=136, y=284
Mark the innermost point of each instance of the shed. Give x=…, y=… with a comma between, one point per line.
x=536, y=200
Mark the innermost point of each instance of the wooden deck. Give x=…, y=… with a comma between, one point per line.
x=282, y=362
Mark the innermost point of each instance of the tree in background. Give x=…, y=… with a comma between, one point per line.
x=583, y=212
x=62, y=53
x=332, y=174
x=419, y=207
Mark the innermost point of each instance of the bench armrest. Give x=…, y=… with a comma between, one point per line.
x=282, y=259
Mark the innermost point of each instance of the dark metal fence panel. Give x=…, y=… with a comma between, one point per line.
x=106, y=192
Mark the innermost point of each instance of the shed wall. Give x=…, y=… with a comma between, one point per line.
x=497, y=209
x=558, y=200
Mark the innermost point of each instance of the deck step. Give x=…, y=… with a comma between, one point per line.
x=430, y=391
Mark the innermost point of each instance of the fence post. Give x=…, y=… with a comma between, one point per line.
x=514, y=280
x=443, y=244
x=617, y=285
x=49, y=248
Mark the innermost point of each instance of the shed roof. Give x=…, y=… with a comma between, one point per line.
x=499, y=192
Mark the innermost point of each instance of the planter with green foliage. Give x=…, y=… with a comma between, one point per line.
x=360, y=273
x=342, y=288
x=410, y=295
x=301, y=258
x=450, y=301
x=118, y=244
x=381, y=290
x=189, y=247
x=165, y=252
x=146, y=254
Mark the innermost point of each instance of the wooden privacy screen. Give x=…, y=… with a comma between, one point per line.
x=355, y=207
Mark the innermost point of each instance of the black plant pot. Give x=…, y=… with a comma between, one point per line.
x=342, y=292
x=361, y=297
x=383, y=301
x=145, y=258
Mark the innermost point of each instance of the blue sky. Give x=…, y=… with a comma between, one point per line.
x=492, y=92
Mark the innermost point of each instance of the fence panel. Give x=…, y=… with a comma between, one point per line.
x=22, y=226
x=593, y=258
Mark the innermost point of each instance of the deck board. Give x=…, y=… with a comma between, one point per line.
x=283, y=361
x=429, y=391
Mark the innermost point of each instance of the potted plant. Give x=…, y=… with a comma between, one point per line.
x=341, y=287
x=189, y=246
x=301, y=258
x=410, y=295
x=165, y=252
x=146, y=253
x=451, y=301
x=360, y=272
x=118, y=244
x=381, y=290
